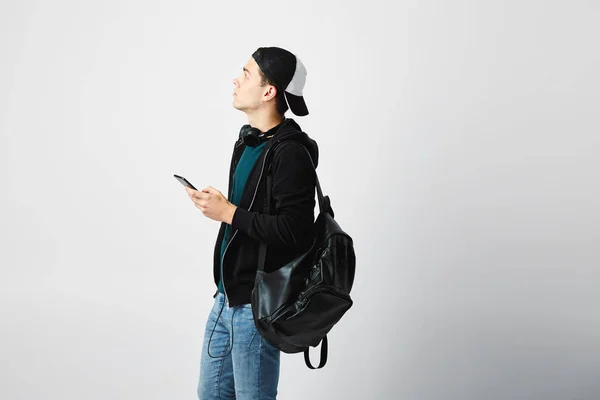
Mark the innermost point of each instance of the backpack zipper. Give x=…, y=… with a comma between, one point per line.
x=303, y=299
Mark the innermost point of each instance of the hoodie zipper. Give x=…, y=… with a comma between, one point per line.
x=233, y=165
x=262, y=170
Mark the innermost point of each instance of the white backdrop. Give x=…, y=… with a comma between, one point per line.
x=458, y=142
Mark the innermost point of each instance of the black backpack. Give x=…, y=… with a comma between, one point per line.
x=296, y=306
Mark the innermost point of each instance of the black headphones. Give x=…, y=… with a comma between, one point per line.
x=253, y=136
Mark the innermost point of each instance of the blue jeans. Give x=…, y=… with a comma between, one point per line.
x=241, y=365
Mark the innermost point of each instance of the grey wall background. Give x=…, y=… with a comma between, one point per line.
x=459, y=144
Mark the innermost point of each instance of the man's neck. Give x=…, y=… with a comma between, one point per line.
x=264, y=122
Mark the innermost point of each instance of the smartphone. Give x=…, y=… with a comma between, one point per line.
x=184, y=181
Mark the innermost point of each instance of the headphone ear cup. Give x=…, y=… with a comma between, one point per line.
x=249, y=135
x=244, y=131
x=251, y=140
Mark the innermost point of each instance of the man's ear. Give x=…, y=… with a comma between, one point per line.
x=270, y=93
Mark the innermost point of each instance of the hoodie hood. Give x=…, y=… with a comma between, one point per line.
x=290, y=130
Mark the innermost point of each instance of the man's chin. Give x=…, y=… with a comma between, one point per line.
x=238, y=107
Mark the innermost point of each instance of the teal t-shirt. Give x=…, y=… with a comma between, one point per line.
x=240, y=176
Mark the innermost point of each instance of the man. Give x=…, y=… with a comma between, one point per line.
x=237, y=362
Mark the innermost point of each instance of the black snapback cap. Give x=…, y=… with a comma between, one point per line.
x=288, y=74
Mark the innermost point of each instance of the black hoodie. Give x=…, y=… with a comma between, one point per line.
x=288, y=230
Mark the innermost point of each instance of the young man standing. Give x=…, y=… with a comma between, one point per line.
x=237, y=362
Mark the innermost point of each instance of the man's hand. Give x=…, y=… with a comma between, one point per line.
x=213, y=204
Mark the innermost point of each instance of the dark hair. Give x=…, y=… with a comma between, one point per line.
x=280, y=103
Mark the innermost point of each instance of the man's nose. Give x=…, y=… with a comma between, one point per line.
x=235, y=82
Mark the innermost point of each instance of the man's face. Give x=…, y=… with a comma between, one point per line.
x=248, y=94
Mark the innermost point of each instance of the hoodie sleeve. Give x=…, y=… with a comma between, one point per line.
x=293, y=198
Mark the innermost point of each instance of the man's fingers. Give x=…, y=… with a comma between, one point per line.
x=210, y=189
x=199, y=195
x=205, y=194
